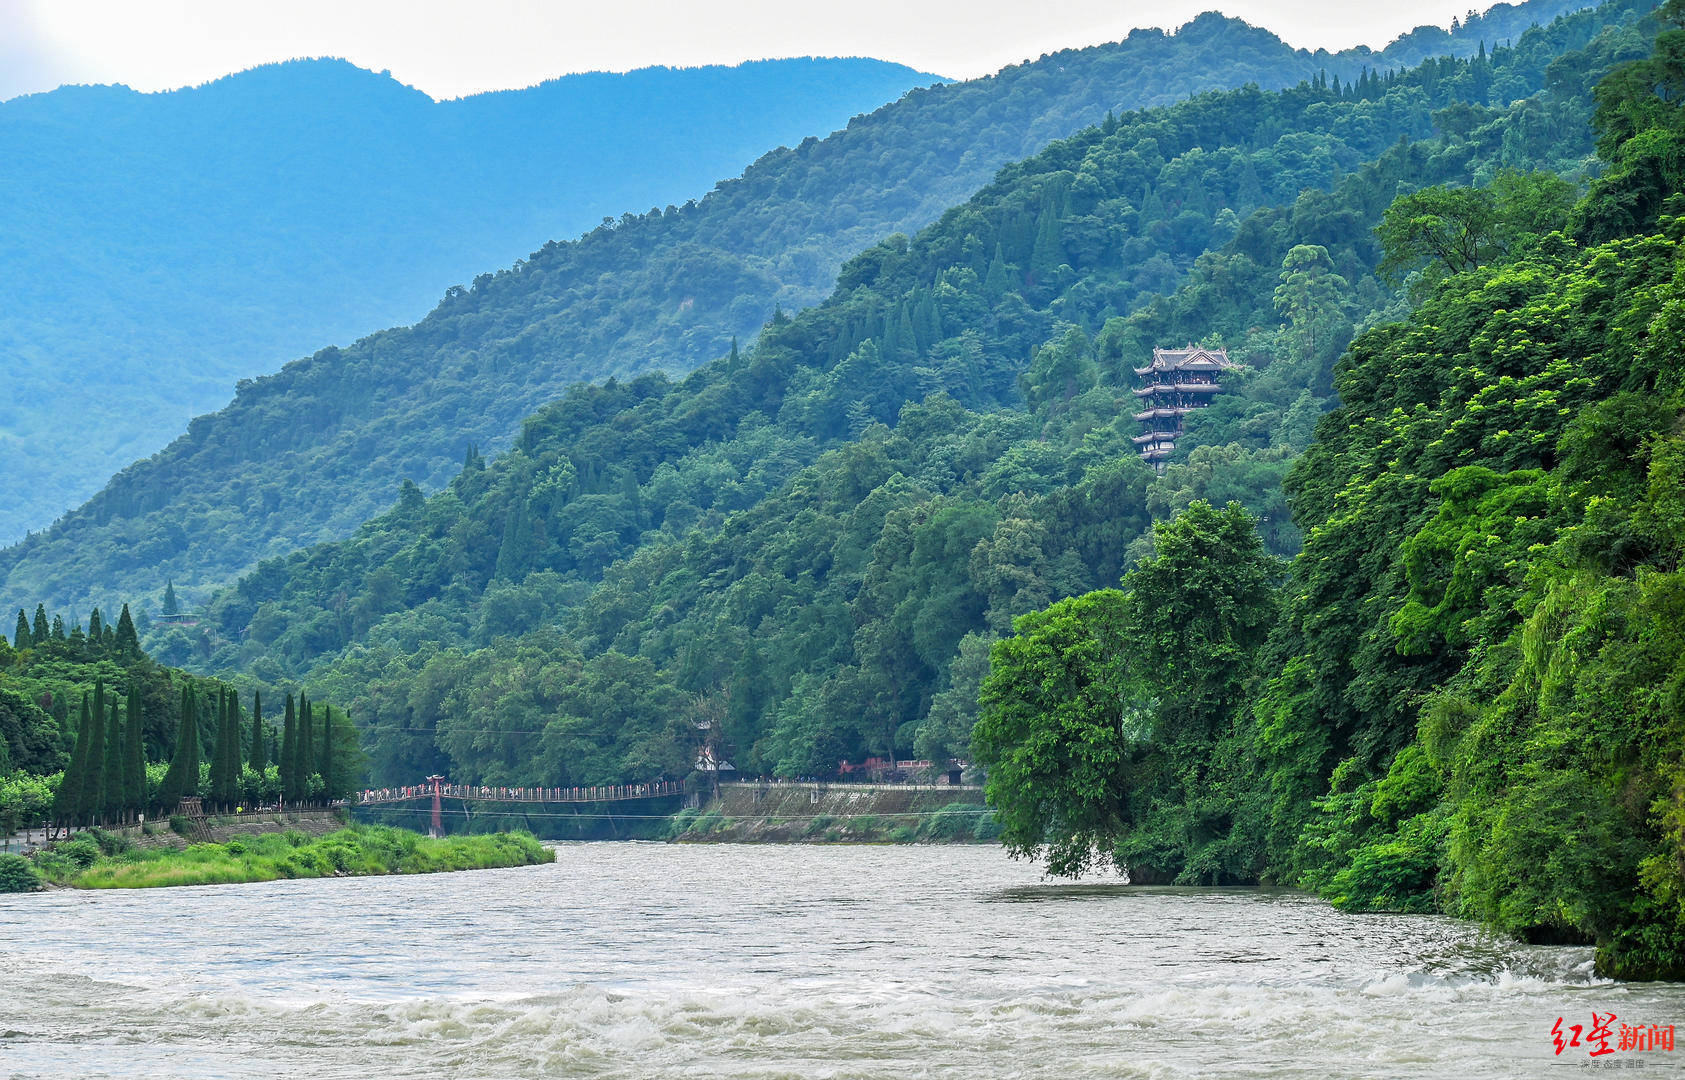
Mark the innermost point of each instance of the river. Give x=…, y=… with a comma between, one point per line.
x=652, y=960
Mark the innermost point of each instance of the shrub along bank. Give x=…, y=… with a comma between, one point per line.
x=102, y=860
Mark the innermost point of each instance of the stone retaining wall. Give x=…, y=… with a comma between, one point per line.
x=820, y=813
x=219, y=828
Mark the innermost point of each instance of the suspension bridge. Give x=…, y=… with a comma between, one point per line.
x=569, y=811
x=442, y=790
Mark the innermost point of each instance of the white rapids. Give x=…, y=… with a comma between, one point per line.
x=652, y=961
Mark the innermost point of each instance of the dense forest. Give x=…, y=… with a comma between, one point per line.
x=311, y=452
x=93, y=731
x=1403, y=619
x=158, y=252
x=816, y=539
x=1467, y=693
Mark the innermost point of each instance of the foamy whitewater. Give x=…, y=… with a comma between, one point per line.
x=650, y=960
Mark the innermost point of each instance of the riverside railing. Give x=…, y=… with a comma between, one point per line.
x=496, y=793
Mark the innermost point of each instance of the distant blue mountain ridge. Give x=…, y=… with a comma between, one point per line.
x=159, y=247
x=152, y=239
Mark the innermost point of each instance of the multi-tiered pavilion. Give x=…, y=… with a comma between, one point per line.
x=1177, y=382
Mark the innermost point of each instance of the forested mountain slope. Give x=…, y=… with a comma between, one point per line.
x=314, y=450
x=160, y=247
x=816, y=539
x=1468, y=695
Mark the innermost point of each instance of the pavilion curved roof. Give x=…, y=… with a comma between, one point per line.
x=1191, y=358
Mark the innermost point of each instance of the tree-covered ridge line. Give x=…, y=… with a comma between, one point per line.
x=318, y=448
x=92, y=731
x=165, y=246
x=757, y=542
x=1467, y=693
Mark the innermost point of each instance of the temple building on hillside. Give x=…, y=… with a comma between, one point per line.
x=1177, y=382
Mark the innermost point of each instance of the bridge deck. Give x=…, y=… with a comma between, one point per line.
x=488, y=793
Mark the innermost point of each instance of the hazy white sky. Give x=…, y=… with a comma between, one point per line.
x=453, y=47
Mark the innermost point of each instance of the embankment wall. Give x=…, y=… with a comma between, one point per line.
x=219, y=829
x=839, y=814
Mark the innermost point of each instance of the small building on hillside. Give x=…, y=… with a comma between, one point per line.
x=1177, y=382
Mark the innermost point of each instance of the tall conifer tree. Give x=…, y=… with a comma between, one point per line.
x=21, y=637
x=235, y=759
x=306, y=752
x=113, y=788
x=219, y=752
x=289, y=754
x=67, y=800
x=325, y=755
x=42, y=630
x=128, y=643
x=90, y=796
x=258, y=759
x=135, y=774
x=182, y=779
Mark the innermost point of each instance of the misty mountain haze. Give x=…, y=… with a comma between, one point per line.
x=160, y=247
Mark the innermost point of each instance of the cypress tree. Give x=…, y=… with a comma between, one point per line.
x=235, y=759
x=42, y=632
x=96, y=626
x=227, y=737
x=69, y=795
x=517, y=548
x=1048, y=254
x=134, y=788
x=113, y=788
x=289, y=754
x=171, y=607
x=219, y=752
x=124, y=799
x=325, y=756
x=21, y=637
x=995, y=282
x=128, y=643
x=306, y=752
x=183, y=778
x=229, y=749
x=90, y=796
x=57, y=631
x=258, y=759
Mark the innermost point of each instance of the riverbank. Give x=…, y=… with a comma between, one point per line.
x=103, y=860
x=838, y=814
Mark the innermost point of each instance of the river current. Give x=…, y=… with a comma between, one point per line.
x=652, y=961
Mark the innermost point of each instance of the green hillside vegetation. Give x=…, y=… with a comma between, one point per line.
x=106, y=861
x=1467, y=693
x=314, y=450
x=162, y=246
x=93, y=731
x=759, y=544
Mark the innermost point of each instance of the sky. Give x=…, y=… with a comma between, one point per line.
x=450, y=48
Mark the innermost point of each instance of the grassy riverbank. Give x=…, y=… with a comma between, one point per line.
x=110, y=862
